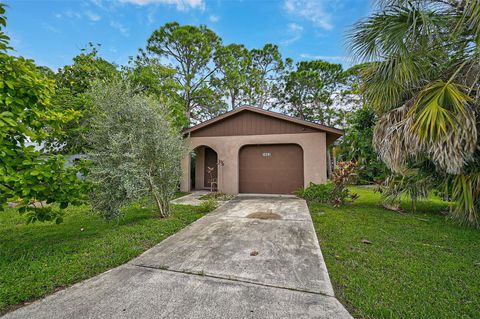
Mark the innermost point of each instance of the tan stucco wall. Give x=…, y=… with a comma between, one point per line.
x=227, y=148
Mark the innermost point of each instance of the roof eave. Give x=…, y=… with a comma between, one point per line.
x=317, y=126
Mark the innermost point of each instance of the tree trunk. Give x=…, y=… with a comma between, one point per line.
x=163, y=211
x=162, y=208
x=329, y=164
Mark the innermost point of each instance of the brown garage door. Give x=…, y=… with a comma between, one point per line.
x=271, y=169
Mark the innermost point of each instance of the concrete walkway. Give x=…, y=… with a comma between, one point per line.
x=191, y=199
x=253, y=257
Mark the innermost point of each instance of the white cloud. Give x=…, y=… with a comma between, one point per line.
x=295, y=31
x=312, y=10
x=331, y=58
x=213, y=18
x=181, y=5
x=68, y=14
x=50, y=28
x=152, y=11
x=92, y=16
x=120, y=27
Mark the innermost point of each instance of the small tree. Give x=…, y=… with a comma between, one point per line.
x=30, y=177
x=135, y=150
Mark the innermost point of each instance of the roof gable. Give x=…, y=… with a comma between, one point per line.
x=255, y=121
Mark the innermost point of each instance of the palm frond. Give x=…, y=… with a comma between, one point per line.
x=394, y=140
x=470, y=18
x=466, y=198
x=395, y=30
x=387, y=84
x=439, y=108
x=445, y=124
x=410, y=183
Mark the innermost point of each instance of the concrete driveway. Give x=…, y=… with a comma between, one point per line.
x=254, y=257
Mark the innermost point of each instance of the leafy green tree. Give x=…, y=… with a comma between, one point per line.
x=265, y=73
x=307, y=91
x=29, y=177
x=72, y=82
x=356, y=145
x=233, y=63
x=135, y=150
x=87, y=67
x=424, y=82
x=157, y=80
x=191, y=49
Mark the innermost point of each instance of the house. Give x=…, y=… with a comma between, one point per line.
x=251, y=150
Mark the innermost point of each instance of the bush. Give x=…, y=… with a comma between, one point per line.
x=135, y=150
x=335, y=193
x=316, y=193
x=343, y=175
x=208, y=205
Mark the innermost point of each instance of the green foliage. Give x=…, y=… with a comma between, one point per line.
x=307, y=91
x=28, y=175
x=356, y=145
x=425, y=85
x=192, y=48
x=234, y=65
x=316, y=193
x=466, y=198
x=72, y=83
x=265, y=75
x=208, y=205
x=342, y=176
x=412, y=184
x=135, y=150
x=335, y=192
x=157, y=80
x=87, y=67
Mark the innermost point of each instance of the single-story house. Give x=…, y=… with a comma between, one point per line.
x=251, y=150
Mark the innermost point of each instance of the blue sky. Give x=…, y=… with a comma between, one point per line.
x=52, y=32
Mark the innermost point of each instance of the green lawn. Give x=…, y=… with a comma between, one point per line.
x=419, y=265
x=40, y=258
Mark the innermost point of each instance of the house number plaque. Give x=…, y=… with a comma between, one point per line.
x=266, y=154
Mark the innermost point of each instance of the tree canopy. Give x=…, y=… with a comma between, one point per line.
x=30, y=177
x=424, y=82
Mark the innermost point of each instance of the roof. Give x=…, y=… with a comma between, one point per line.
x=333, y=132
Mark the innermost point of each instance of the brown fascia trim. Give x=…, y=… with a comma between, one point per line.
x=317, y=126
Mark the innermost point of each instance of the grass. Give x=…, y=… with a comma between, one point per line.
x=181, y=194
x=418, y=265
x=38, y=259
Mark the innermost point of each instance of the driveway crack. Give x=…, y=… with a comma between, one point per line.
x=201, y=274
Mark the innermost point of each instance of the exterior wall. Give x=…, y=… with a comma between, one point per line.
x=250, y=123
x=227, y=148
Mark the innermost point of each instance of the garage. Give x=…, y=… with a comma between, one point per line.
x=270, y=169
x=255, y=151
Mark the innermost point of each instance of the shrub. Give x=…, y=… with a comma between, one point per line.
x=335, y=192
x=343, y=175
x=208, y=205
x=316, y=193
x=135, y=151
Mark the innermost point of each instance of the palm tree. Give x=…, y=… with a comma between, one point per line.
x=423, y=78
